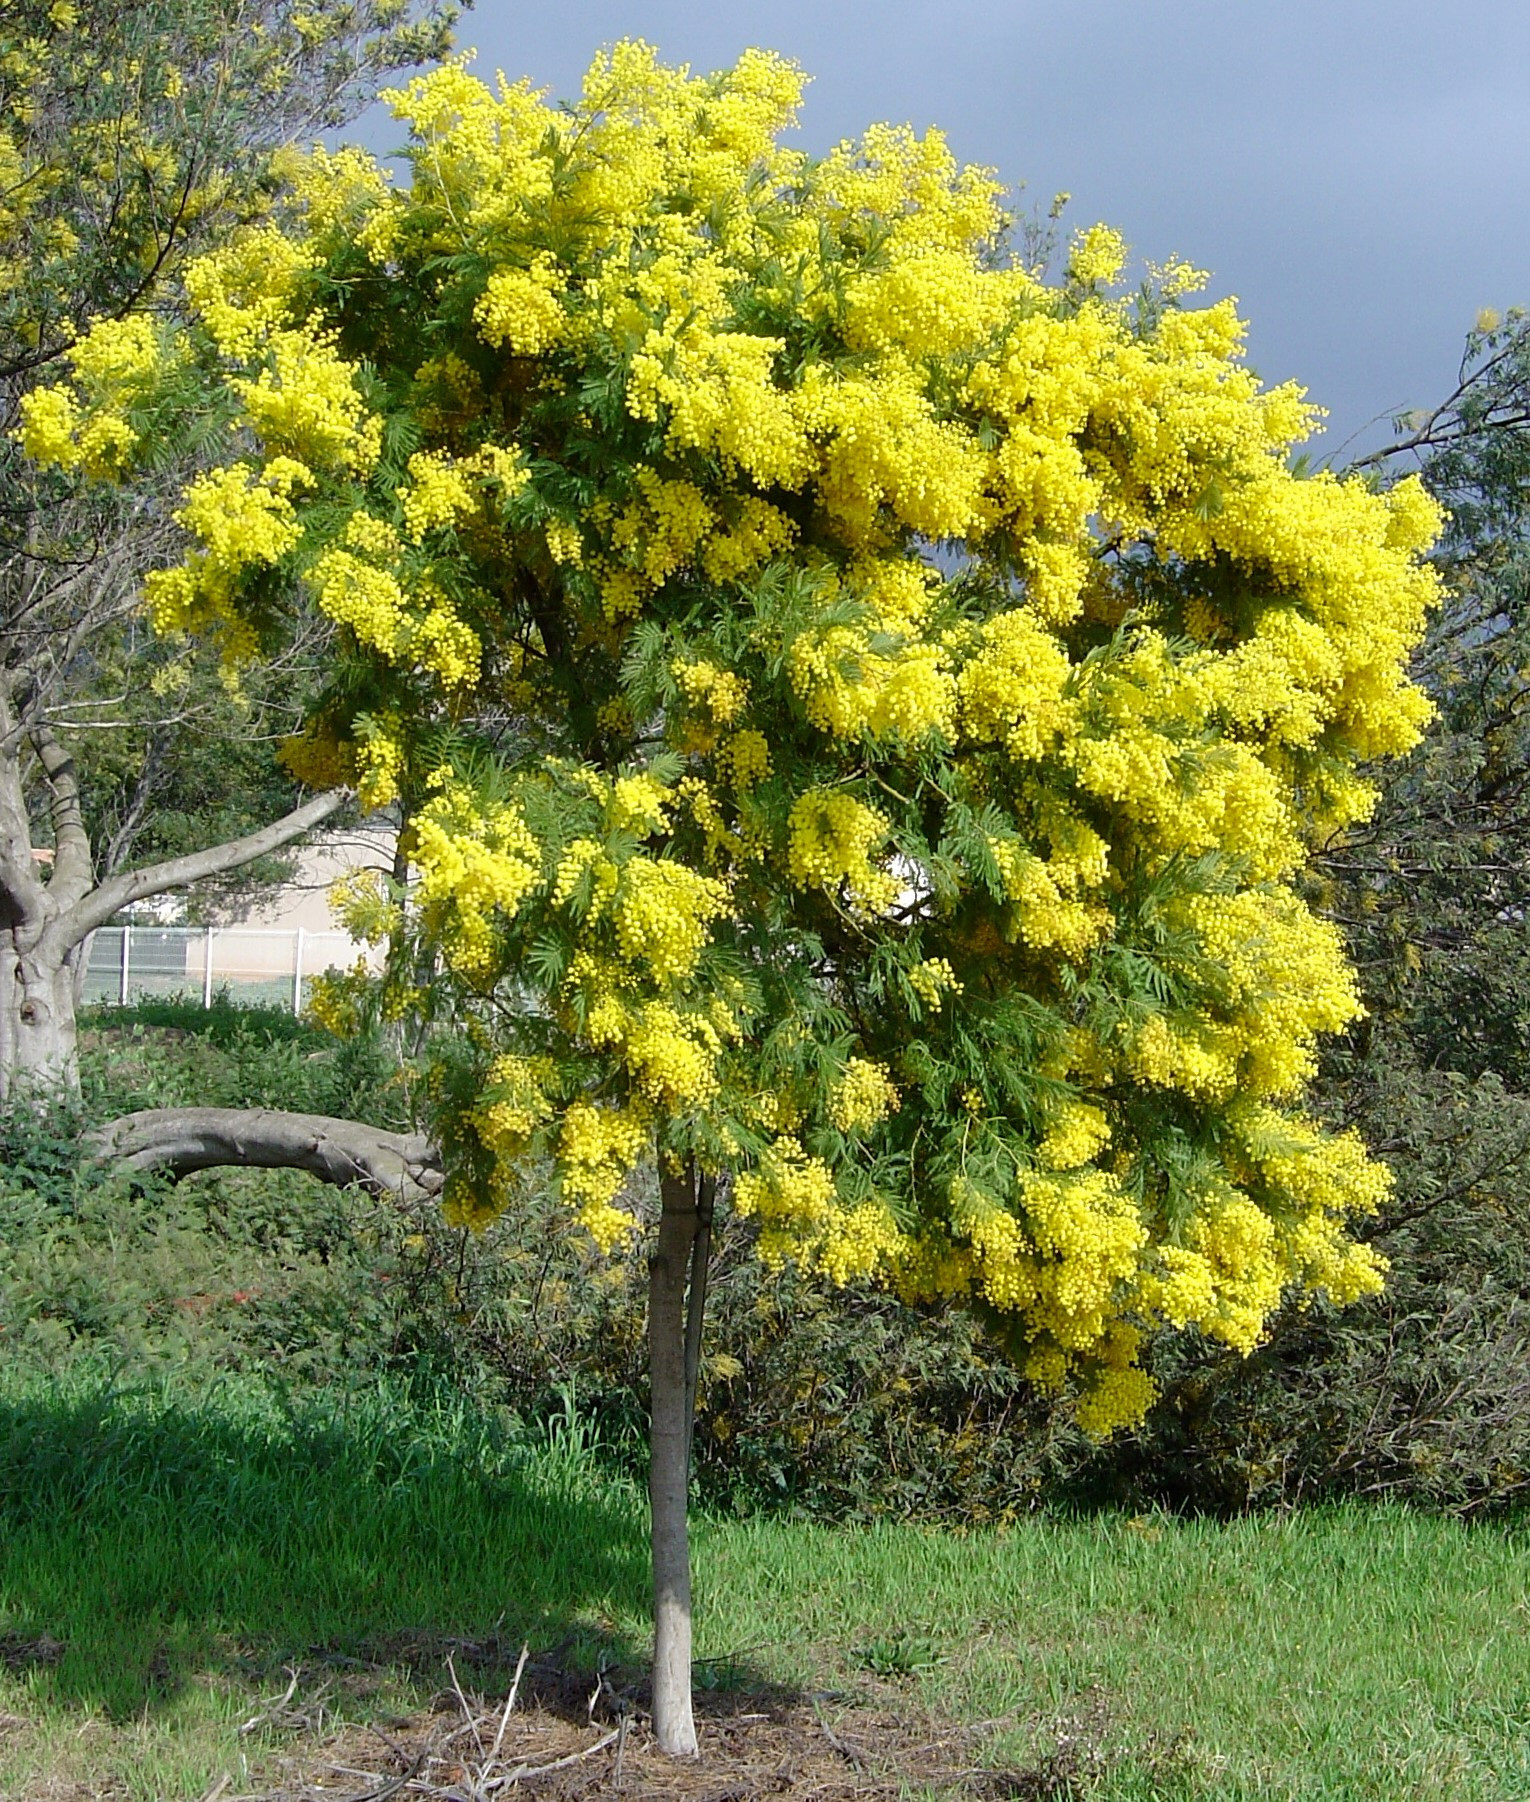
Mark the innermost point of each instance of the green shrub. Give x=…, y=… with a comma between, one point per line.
x=178, y=1054
x=234, y=1269
x=1422, y=1394
x=811, y=1402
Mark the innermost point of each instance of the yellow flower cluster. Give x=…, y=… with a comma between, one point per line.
x=598, y=1148
x=833, y=841
x=857, y=1243
x=438, y=493
x=377, y=763
x=305, y=403
x=863, y=1096
x=1015, y=690
x=673, y=1055
x=661, y=912
x=1096, y=257
x=720, y=691
x=564, y=542
x=1287, y=978
x=346, y=196
x=659, y=530
x=245, y=519
x=515, y=1104
x=933, y=979
x=355, y=592
x=246, y=289
x=1049, y=912
x=358, y=583
x=521, y=309
x=638, y=804
x=791, y=1194
x=585, y=854
x=477, y=1204
x=86, y=424
x=1088, y=1234
x=848, y=689
x=1075, y=1133
x=335, y=1000
x=1117, y=1393
x=476, y=864
x=50, y=424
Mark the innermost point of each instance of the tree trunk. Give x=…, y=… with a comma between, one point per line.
x=696, y=1303
x=37, y=1033
x=46, y=924
x=669, y=1473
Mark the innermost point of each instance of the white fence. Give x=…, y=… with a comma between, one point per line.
x=253, y=963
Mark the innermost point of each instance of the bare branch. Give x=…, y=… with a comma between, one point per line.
x=96, y=908
x=347, y=1153
x=72, y=872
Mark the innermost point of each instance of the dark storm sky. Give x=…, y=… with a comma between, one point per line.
x=1356, y=172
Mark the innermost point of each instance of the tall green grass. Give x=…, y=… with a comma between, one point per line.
x=164, y=1552
x=150, y=1532
x=1344, y=1653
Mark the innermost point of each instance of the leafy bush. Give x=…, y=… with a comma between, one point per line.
x=177, y=1053
x=1422, y=1394
x=235, y=1269
x=809, y=1403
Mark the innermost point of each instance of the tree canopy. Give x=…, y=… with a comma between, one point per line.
x=858, y=705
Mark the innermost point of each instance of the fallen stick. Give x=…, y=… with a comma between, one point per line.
x=523, y=1771
x=270, y=1710
x=504, y=1719
x=467, y=1712
x=841, y=1746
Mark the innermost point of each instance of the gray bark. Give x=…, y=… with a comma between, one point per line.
x=47, y=913
x=696, y=1302
x=37, y=1035
x=347, y=1153
x=669, y=1472
x=37, y=1031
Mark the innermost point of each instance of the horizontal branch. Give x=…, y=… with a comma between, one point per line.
x=347, y=1153
x=102, y=903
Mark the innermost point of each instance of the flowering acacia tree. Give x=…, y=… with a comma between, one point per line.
x=858, y=709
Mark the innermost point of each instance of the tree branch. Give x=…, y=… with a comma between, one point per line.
x=99, y=906
x=21, y=894
x=347, y=1153
x=72, y=872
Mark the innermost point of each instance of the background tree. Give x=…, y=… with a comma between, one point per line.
x=129, y=137
x=860, y=710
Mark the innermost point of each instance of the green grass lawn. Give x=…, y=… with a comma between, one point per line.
x=164, y=1553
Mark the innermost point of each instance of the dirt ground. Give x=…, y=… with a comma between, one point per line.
x=567, y=1737
x=560, y=1733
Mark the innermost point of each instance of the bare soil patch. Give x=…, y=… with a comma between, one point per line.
x=560, y=1734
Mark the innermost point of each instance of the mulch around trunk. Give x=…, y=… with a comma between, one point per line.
x=569, y=1737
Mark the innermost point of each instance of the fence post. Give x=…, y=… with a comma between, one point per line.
x=207, y=968
x=297, y=974
x=122, y=978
